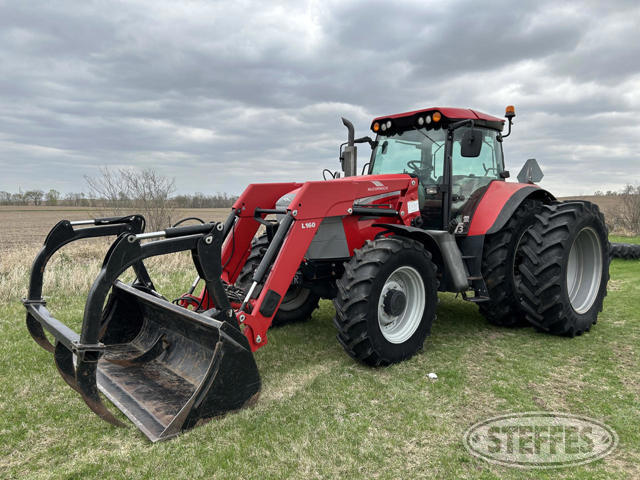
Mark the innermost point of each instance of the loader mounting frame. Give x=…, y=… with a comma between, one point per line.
x=312, y=203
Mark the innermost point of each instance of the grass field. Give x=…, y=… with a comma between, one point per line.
x=320, y=415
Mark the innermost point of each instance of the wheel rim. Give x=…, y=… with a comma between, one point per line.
x=584, y=270
x=399, y=328
x=517, y=261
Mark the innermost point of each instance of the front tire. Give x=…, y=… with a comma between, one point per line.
x=565, y=268
x=386, y=301
x=298, y=303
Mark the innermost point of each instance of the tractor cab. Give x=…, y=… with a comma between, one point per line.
x=455, y=154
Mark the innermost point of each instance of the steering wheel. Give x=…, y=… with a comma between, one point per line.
x=415, y=166
x=423, y=173
x=418, y=169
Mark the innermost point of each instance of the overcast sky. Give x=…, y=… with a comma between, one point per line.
x=221, y=94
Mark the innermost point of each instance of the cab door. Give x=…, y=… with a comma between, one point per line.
x=470, y=176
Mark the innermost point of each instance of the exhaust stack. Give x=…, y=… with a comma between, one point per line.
x=349, y=156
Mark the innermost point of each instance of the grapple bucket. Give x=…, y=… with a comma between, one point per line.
x=165, y=367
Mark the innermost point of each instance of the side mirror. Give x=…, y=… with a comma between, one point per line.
x=505, y=174
x=372, y=143
x=471, y=143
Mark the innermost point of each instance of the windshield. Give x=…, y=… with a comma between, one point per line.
x=419, y=152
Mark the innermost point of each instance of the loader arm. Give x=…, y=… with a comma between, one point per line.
x=238, y=243
x=313, y=202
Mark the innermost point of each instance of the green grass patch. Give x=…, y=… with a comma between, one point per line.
x=321, y=415
x=622, y=239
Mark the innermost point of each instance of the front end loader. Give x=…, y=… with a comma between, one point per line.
x=432, y=213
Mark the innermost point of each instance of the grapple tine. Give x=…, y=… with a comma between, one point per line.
x=62, y=234
x=37, y=333
x=86, y=378
x=64, y=362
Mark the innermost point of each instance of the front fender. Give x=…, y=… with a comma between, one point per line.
x=444, y=249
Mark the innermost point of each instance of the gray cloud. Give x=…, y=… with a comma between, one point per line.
x=220, y=94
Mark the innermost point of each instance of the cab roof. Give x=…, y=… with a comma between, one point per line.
x=448, y=113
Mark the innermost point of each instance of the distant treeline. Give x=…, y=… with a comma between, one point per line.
x=73, y=199
x=200, y=200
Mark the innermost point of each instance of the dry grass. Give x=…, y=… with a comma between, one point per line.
x=73, y=273
x=610, y=206
x=74, y=268
x=27, y=225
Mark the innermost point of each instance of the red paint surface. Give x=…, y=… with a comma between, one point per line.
x=491, y=205
x=456, y=113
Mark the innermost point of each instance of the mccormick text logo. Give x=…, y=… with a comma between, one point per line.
x=379, y=186
x=540, y=440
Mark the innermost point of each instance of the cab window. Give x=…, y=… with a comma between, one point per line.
x=469, y=174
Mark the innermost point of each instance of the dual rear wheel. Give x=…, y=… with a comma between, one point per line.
x=501, y=261
x=548, y=267
x=565, y=268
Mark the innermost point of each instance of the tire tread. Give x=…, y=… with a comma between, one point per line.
x=352, y=301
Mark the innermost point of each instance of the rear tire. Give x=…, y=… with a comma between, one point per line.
x=298, y=303
x=565, y=268
x=386, y=301
x=500, y=268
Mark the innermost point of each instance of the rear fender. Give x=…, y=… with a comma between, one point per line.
x=499, y=202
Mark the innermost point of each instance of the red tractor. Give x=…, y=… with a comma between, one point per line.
x=431, y=212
